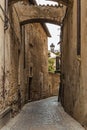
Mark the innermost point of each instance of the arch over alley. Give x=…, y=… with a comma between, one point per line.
x=65, y=2
x=50, y=14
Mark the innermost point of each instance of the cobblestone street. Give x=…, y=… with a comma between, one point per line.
x=44, y=114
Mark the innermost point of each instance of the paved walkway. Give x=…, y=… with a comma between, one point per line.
x=46, y=114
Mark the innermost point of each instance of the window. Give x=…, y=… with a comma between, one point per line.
x=31, y=71
x=78, y=27
x=31, y=36
x=23, y=43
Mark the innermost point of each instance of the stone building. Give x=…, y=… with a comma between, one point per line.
x=23, y=60
x=37, y=50
x=73, y=90
x=73, y=70
x=52, y=46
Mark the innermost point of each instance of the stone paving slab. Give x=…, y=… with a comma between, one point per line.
x=46, y=114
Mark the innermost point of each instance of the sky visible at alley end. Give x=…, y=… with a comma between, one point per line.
x=53, y=29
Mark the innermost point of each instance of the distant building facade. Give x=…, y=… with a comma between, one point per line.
x=52, y=46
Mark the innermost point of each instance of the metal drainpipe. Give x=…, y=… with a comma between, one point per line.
x=4, y=55
x=4, y=68
x=5, y=28
x=6, y=12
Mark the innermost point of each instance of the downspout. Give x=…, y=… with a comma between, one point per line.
x=5, y=28
x=2, y=45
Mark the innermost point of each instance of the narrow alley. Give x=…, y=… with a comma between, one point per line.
x=45, y=114
x=34, y=73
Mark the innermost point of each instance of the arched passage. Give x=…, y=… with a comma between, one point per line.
x=39, y=20
x=65, y=2
x=50, y=14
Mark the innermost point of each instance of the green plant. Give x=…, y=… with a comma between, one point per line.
x=51, y=65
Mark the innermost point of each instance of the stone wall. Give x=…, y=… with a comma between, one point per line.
x=12, y=43
x=52, y=14
x=24, y=59
x=53, y=83
x=70, y=63
x=37, y=61
x=83, y=58
x=9, y=44
x=23, y=62
x=2, y=57
x=73, y=69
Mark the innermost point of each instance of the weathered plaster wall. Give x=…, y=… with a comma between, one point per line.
x=11, y=62
x=2, y=43
x=37, y=59
x=8, y=61
x=54, y=14
x=53, y=83
x=12, y=43
x=82, y=108
x=74, y=66
x=25, y=47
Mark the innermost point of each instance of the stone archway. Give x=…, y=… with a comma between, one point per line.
x=28, y=14
x=65, y=2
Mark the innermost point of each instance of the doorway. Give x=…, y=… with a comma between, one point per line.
x=29, y=88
